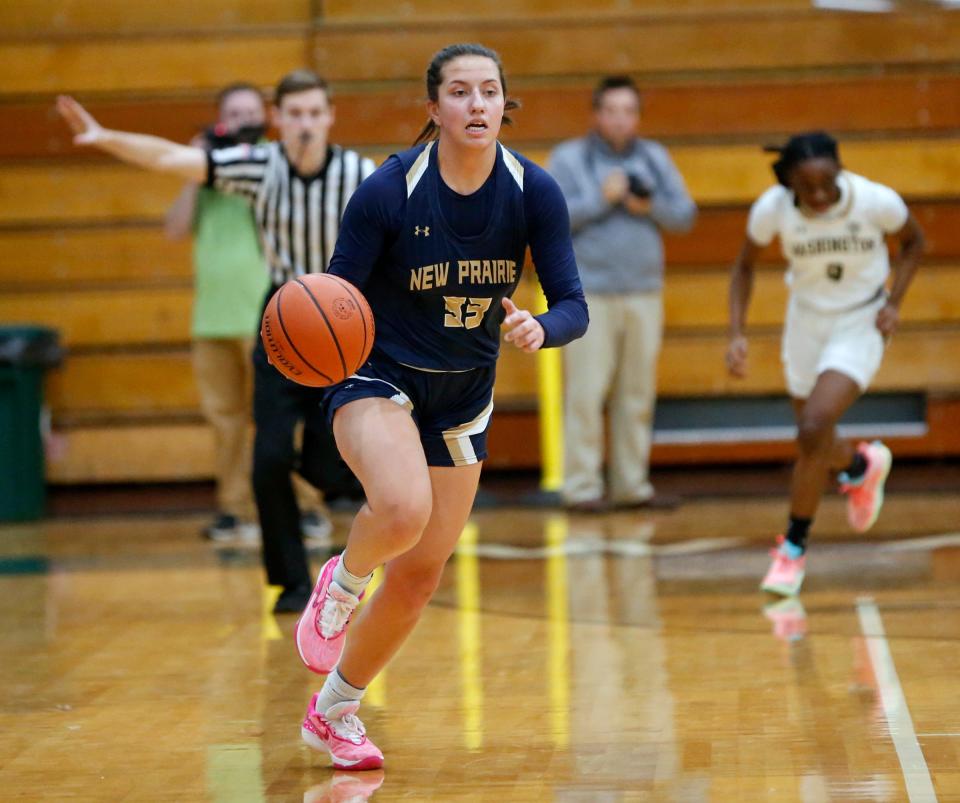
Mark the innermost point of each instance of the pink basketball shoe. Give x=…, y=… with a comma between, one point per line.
x=785, y=575
x=339, y=732
x=865, y=496
x=322, y=626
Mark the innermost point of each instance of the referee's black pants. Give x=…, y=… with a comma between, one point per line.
x=278, y=406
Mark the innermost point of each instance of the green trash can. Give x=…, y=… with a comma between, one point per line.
x=26, y=352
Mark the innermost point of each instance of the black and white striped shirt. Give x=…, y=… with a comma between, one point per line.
x=298, y=217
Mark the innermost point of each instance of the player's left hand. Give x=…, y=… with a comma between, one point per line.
x=524, y=331
x=888, y=318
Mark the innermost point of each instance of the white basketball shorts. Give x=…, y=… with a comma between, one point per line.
x=847, y=342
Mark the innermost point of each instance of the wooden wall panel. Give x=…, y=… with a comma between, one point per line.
x=716, y=175
x=144, y=453
x=384, y=11
x=66, y=258
x=97, y=318
x=90, y=193
x=75, y=17
x=764, y=111
x=767, y=110
x=86, y=252
x=669, y=45
x=88, y=386
x=34, y=130
x=150, y=64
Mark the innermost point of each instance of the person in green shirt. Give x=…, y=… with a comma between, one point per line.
x=230, y=280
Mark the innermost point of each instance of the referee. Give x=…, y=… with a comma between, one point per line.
x=297, y=188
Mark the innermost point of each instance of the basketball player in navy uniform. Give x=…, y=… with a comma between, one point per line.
x=832, y=225
x=435, y=239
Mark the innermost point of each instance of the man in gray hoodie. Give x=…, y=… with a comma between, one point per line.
x=621, y=191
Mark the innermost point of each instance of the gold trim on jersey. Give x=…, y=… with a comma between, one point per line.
x=418, y=168
x=513, y=165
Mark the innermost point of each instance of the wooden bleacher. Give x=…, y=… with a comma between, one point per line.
x=86, y=253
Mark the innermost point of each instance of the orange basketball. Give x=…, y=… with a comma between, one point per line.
x=317, y=330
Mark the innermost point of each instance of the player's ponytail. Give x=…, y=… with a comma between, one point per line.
x=799, y=148
x=435, y=78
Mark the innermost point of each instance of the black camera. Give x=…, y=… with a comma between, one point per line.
x=637, y=186
x=218, y=136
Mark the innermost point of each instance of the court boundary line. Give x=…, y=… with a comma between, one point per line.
x=642, y=547
x=913, y=764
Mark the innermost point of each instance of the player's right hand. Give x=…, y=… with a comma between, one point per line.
x=86, y=130
x=737, y=357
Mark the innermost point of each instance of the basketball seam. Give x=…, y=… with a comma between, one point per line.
x=333, y=334
x=293, y=345
x=349, y=288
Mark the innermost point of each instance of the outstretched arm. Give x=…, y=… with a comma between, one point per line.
x=741, y=287
x=143, y=150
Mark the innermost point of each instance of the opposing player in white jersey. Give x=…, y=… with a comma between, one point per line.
x=832, y=225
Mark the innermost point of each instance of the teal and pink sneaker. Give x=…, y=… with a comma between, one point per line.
x=865, y=494
x=339, y=732
x=322, y=627
x=785, y=575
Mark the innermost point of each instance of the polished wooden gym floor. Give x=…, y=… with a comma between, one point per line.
x=623, y=657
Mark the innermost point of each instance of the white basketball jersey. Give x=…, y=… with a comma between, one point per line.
x=838, y=259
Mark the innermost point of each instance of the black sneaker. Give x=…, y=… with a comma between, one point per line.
x=224, y=528
x=293, y=600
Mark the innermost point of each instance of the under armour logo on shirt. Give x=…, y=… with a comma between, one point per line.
x=417, y=231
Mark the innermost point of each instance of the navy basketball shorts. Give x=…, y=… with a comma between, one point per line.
x=451, y=409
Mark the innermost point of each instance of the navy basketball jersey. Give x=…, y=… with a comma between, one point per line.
x=437, y=294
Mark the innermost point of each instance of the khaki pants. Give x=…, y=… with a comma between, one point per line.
x=614, y=364
x=224, y=374
x=223, y=370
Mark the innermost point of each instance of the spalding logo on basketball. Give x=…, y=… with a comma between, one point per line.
x=343, y=308
x=317, y=330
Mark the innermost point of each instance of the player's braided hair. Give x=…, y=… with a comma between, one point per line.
x=435, y=78
x=799, y=148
